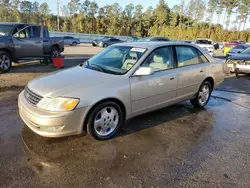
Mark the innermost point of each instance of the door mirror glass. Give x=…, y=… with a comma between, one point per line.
x=144, y=71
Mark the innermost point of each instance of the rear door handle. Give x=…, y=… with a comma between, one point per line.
x=38, y=42
x=45, y=40
x=172, y=78
x=201, y=71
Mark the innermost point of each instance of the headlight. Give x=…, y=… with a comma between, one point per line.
x=58, y=104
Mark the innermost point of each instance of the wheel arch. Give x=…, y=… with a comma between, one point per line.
x=13, y=58
x=55, y=46
x=210, y=80
x=111, y=99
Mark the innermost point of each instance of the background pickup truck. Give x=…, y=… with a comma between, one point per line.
x=26, y=42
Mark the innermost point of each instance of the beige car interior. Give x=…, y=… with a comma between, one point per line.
x=130, y=61
x=159, y=63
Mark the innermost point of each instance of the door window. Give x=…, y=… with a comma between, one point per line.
x=187, y=55
x=160, y=59
x=36, y=32
x=24, y=33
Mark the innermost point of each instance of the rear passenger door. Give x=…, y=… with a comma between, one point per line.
x=191, y=68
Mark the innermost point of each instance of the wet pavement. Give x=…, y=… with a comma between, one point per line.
x=178, y=146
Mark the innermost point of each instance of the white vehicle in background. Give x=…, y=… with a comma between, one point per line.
x=206, y=44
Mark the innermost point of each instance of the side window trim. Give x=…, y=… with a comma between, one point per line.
x=197, y=50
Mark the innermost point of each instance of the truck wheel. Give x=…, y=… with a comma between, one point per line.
x=5, y=62
x=55, y=52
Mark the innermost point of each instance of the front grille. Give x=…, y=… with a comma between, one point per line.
x=32, y=97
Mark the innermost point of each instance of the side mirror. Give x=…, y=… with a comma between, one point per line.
x=144, y=71
x=239, y=52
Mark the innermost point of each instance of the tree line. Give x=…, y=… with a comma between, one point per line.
x=186, y=20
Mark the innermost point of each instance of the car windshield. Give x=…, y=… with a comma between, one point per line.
x=203, y=42
x=115, y=59
x=5, y=30
x=246, y=51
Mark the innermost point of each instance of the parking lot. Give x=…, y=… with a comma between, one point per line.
x=177, y=146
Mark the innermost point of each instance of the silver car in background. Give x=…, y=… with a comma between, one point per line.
x=71, y=41
x=107, y=41
x=121, y=82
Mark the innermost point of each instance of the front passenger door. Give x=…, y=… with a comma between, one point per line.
x=158, y=90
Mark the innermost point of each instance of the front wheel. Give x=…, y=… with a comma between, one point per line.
x=74, y=44
x=5, y=62
x=203, y=95
x=105, y=120
x=105, y=45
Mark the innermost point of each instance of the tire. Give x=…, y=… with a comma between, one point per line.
x=5, y=62
x=103, y=113
x=55, y=52
x=105, y=45
x=74, y=44
x=45, y=61
x=198, y=101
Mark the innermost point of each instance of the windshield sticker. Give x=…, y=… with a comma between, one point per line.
x=138, y=50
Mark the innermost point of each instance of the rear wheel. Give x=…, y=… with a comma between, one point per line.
x=105, y=45
x=74, y=44
x=5, y=62
x=105, y=120
x=203, y=95
x=55, y=52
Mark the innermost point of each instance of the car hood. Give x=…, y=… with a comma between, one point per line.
x=62, y=83
x=4, y=39
x=240, y=57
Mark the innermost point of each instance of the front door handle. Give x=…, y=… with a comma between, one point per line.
x=171, y=78
x=38, y=42
x=201, y=71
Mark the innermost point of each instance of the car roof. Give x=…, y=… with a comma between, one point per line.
x=153, y=45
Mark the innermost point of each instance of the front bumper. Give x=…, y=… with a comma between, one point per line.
x=51, y=124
